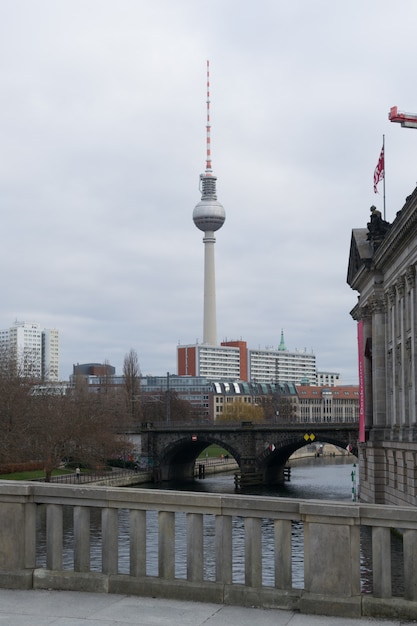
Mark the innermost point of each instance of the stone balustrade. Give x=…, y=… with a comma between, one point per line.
x=330, y=560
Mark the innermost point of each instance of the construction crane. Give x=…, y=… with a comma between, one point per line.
x=407, y=120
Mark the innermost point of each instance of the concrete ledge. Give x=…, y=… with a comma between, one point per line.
x=267, y=597
x=316, y=604
x=70, y=581
x=16, y=579
x=178, y=589
x=389, y=608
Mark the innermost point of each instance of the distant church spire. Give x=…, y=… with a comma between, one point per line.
x=282, y=345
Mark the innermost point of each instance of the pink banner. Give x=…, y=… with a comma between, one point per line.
x=361, y=363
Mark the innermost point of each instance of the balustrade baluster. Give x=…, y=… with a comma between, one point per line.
x=109, y=532
x=224, y=569
x=283, y=554
x=410, y=564
x=81, y=539
x=30, y=535
x=137, y=523
x=166, y=544
x=195, y=547
x=253, y=551
x=381, y=561
x=54, y=536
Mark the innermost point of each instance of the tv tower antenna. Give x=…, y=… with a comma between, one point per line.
x=209, y=215
x=208, y=125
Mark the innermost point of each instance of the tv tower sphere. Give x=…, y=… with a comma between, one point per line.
x=209, y=215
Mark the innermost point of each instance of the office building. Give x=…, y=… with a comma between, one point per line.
x=233, y=360
x=36, y=351
x=328, y=379
x=283, y=366
x=328, y=404
x=229, y=361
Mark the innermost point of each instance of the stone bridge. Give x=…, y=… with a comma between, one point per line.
x=260, y=450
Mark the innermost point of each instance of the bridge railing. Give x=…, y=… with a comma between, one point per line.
x=334, y=421
x=271, y=552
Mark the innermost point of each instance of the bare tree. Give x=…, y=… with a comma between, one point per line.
x=278, y=408
x=167, y=406
x=76, y=426
x=45, y=424
x=15, y=402
x=131, y=373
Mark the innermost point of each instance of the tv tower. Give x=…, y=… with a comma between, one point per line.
x=209, y=215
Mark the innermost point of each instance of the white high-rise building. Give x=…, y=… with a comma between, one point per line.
x=50, y=354
x=211, y=362
x=328, y=379
x=281, y=365
x=36, y=350
x=271, y=365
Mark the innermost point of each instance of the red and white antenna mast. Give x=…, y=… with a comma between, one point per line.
x=208, y=125
x=407, y=120
x=208, y=180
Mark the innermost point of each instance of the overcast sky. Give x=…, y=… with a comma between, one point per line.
x=102, y=141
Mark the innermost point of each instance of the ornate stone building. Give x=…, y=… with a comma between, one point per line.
x=382, y=268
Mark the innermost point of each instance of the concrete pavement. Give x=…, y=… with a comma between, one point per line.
x=68, y=608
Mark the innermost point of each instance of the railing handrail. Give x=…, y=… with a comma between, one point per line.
x=283, y=425
x=231, y=504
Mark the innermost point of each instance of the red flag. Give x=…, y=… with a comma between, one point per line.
x=379, y=170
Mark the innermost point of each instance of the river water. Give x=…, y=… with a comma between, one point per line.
x=321, y=478
x=315, y=478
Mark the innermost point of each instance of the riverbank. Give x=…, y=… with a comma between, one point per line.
x=215, y=465
x=316, y=450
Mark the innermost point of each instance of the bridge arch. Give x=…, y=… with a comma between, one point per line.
x=260, y=450
x=178, y=459
x=273, y=460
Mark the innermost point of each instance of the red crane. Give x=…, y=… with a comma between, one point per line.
x=407, y=120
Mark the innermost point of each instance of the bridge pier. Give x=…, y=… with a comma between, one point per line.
x=275, y=474
x=271, y=475
x=182, y=472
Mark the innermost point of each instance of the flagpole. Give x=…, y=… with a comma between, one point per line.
x=385, y=171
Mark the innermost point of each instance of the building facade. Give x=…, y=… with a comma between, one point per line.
x=382, y=269
x=282, y=366
x=50, y=354
x=36, y=351
x=233, y=360
x=328, y=404
x=281, y=399
x=213, y=362
x=282, y=402
x=328, y=379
